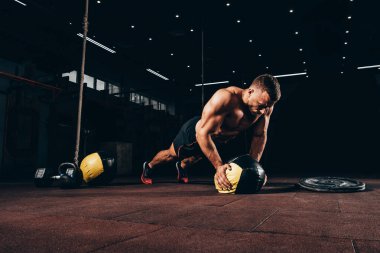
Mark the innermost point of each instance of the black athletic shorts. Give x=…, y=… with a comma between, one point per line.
x=185, y=143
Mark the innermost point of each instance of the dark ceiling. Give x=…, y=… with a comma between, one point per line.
x=45, y=31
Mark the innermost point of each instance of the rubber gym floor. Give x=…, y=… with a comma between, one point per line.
x=169, y=217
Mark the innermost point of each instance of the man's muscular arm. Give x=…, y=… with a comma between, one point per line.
x=259, y=138
x=213, y=116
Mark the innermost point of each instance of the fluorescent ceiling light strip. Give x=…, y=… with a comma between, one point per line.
x=157, y=74
x=295, y=74
x=97, y=43
x=368, y=67
x=20, y=2
x=212, y=83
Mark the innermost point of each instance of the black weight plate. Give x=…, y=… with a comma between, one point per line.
x=331, y=184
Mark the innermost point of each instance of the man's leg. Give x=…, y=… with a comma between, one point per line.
x=189, y=161
x=161, y=157
x=185, y=137
x=183, y=165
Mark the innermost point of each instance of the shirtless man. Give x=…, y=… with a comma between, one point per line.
x=228, y=112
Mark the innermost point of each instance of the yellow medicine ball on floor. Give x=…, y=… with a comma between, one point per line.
x=246, y=176
x=98, y=168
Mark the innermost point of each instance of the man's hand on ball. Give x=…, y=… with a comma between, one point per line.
x=221, y=177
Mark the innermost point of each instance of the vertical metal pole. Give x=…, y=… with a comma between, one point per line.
x=203, y=88
x=85, y=30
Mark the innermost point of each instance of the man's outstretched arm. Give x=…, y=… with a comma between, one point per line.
x=213, y=116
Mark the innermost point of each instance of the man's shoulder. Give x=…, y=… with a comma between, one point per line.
x=223, y=96
x=228, y=92
x=234, y=89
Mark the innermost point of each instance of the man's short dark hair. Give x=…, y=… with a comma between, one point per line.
x=269, y=84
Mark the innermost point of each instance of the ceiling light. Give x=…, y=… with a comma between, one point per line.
x=250, y=41
x=98, y=2
x=296, y=32
x=132, y=26
x=368, y=67
x=349, y=17
x=344, y=57
x=291, y=11
x=20, y=2
x=177, y=16
x=238, y=21
x=171, y=54
x=188, y=66
x=97, y=43
x=259, y=55
x=157, y=74
x=267, y=67
x=345, y=43
x=150, y=38
x=347, y=31
x=212, y=83
x=307, y=76
x=191, y=30
x=304, y=62
x=233, y=71
x=295, y=74
x=300, y=49
x=228, y=4
x=70, y=23
x=341, y=72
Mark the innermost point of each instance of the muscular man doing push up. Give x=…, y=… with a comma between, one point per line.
x=228, y=112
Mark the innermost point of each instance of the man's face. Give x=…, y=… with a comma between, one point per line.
x=258, y=101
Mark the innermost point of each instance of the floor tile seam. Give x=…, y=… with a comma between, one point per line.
x=168, y=225
x=340, y=213
x=86, y=219
x=163, y=226
x=297, y=209
x=264, y=220
x=361, y=213
x=119, y=216
x=115, y=218
x=202, y=228
x=320, y=211
x=256, y=232
x=125, y=240
x=371, y=240
x=313, y=236
x=232, y=202
x=38, y=215
x=35, y=215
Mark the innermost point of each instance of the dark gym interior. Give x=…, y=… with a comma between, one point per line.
x=149, y=67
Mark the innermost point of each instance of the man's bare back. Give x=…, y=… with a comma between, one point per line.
x=237, y=118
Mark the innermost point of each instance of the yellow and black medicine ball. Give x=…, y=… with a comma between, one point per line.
x=246, y=176
x=98, y=168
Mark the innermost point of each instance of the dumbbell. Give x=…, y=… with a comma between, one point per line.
x=44, y=177
x=69, y=176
